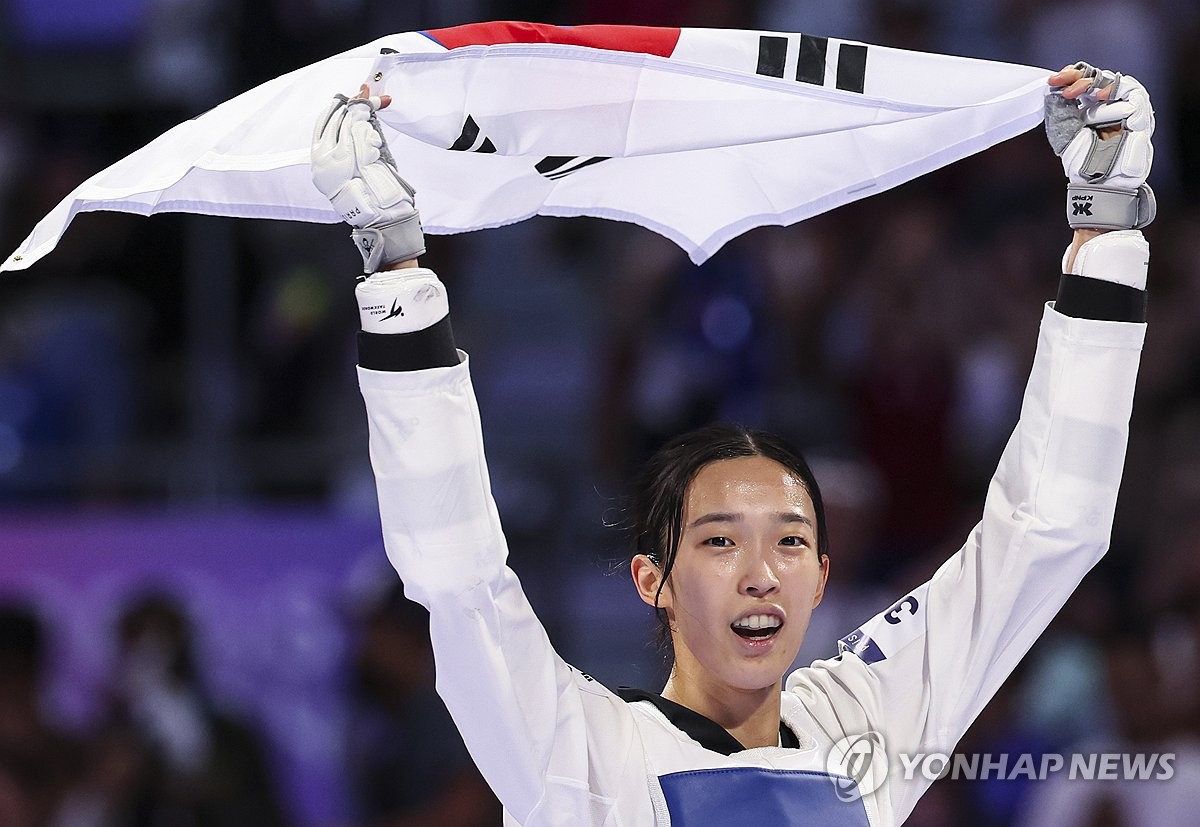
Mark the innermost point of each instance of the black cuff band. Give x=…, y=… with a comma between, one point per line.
x=1086, y=298
x=432, y=347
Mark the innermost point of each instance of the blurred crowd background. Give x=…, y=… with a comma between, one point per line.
x=197, y=623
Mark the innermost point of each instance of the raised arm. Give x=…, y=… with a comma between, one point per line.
x=551, y=742
x=921, y=671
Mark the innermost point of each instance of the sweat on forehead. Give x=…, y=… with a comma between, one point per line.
x=746, y=485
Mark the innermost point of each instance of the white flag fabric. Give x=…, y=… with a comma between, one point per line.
x=698, y=134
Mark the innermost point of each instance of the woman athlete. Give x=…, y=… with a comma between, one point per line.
x=731, y=541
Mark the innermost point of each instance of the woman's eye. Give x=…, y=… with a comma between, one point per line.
x=793, y=541
x=719, y=542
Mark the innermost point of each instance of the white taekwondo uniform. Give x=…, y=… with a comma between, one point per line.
x=560, y=749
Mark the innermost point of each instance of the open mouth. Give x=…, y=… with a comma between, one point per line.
x=757, y=627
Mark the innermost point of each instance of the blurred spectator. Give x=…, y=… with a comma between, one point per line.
x=1063, y=694
x=1001, y=729
x=1146, y=726
x=37, y=761
x=905, y=317
x=408, y=764
x=68, y=365
x=166, y=755
x=687, y=347
x=804, y=271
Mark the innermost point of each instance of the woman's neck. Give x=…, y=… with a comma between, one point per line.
x=749, y=715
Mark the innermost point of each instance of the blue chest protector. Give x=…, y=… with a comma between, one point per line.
x=755, y=797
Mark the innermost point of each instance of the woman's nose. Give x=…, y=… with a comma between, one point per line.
x=759, y=579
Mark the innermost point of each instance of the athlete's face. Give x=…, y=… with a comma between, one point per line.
x=746, y=576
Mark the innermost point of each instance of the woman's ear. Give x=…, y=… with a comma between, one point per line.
x=820, y=593
x=647, y=577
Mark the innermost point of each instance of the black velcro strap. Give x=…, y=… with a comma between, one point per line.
x=1085, y=298
x=432, y=347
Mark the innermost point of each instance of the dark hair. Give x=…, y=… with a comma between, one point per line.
x=22, y=640
x=160, y=614
x=661, y=490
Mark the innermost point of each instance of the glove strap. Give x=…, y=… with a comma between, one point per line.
x=400, y=240
x=1097, y=207
x=1102, y=157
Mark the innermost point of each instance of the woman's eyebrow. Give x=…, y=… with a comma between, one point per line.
x=794, y=517
x=732, y=517
x=715, y=517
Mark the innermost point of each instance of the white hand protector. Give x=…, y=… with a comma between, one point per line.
x=1106, y=178
x=1121, y=257
x=352, y=166
x=401, y=301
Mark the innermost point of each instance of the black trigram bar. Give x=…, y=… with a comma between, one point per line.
x=560, y=166
x=810, y=68
x=467, y=138
x=772, y=54
x=852, y=67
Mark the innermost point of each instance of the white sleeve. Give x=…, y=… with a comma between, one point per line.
x=921, y=671
x=550, y=741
